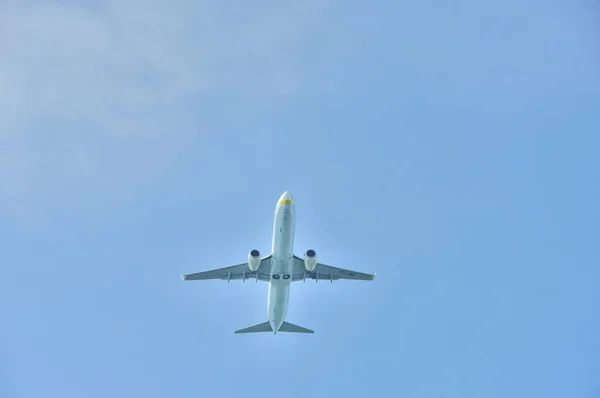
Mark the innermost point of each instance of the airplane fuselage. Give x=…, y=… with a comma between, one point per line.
x=282, y=261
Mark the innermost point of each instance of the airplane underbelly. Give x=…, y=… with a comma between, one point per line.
x=278, y=303
x=281, y=270
x=283, y=238
x=283, y=244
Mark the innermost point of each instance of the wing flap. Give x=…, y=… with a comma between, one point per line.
x=234, y=272
x=326, y=272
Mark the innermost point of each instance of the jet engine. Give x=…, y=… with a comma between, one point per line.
x=310, y=260
x=254, y=260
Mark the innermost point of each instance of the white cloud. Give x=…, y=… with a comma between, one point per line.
x=90, y=96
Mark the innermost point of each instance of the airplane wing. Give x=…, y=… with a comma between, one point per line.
x=326, y=272
x=234, y=272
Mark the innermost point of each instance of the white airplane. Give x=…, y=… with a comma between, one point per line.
x=280, y=269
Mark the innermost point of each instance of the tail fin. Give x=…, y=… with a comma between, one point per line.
x=266, y=327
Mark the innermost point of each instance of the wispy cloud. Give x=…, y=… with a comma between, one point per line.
x=89, y=95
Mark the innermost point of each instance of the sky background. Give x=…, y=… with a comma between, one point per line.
x=450, y=147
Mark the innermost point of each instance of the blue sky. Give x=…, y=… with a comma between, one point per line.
x=451, y=149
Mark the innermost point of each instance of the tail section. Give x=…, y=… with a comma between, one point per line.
x=258, y=328
x=291, y=328
x=266, y=327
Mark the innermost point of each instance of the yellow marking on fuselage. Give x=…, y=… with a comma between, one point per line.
x=286, y=202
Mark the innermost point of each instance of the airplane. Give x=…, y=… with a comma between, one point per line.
x=280, y=269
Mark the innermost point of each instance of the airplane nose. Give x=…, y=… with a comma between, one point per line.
x=286, y=199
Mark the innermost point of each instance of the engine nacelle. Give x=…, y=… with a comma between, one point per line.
x=310, y=260
x=254, y=260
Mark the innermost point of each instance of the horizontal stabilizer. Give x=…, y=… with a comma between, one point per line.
x=291, y=328
x=258, y=328
x=266, y=327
